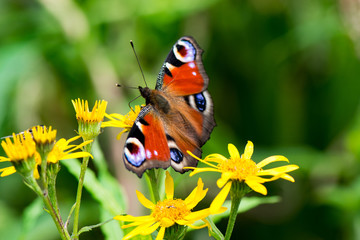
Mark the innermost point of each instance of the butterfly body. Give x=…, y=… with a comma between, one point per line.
x=178, y=115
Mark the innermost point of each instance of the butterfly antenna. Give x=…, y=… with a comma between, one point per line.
x=131, y=102
x=119, y=85
x=137, y=59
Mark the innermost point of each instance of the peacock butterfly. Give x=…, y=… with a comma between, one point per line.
x=178, y=115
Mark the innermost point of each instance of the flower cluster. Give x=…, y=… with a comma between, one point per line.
x=38, y=144
x=25, y=147
x=169, y=212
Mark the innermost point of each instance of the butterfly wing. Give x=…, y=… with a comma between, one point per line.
x=183, y=76
x=183, y=79
x=146, y=146
x=183, y=72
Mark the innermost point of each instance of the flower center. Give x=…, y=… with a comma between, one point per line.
x=169, y=210
x=242, y=168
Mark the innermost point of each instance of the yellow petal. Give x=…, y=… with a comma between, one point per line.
x=257, y=187
x=138, y=230
x=220, y=198
x=215, y=157
x=141, y=220
x=72, y=139
x=4, y=159
x=198, y=227
x=130, y=218
x=144, y=201
x=249, y=149
x=191, y=154
x=288, y=177
x=74, y=155
x=234, y=153
x=161, y=234
x=261, y=180
x=169, y=186
x=271, y=159
x=36, y=173
x=224, y=179
x=7, y=171
x=278, y=170
x=150, y=229
x=196, y=195
x=75, y=147
x=195, y=216
x=200, y=170
x=119, y=135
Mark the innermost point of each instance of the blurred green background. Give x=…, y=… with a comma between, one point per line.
x=284, y=74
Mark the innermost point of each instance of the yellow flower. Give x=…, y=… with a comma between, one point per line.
x=21, y=152
x=43, y=135
x=89, y=121
x=168, y=212
x=243, y=169
x=63, y=150
x=84, y=114
x=22, y=148
x=122, y=121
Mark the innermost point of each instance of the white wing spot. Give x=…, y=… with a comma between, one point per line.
x=148, y=154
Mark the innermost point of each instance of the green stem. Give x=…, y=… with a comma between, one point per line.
x=236, y=193
x=84, y=165
x=43, y=169
x=53, y=169
x=153, y=182
x=57, y=219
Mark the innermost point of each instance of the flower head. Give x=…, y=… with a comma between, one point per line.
x=43, y=135
x=122, y=121
x=89, y=121
x=22, y=148
x=84, y=114
x=63, y=150
x=20, y=152
x=243, y=169
x=168, y=212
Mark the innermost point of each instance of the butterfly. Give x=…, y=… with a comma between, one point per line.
x=178, y=116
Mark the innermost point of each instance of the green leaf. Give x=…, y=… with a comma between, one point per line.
x=31, y=215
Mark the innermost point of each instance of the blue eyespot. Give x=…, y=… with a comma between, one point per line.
x=176, y=155
x=200, y=102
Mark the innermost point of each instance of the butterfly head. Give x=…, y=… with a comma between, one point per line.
x=145, y=92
